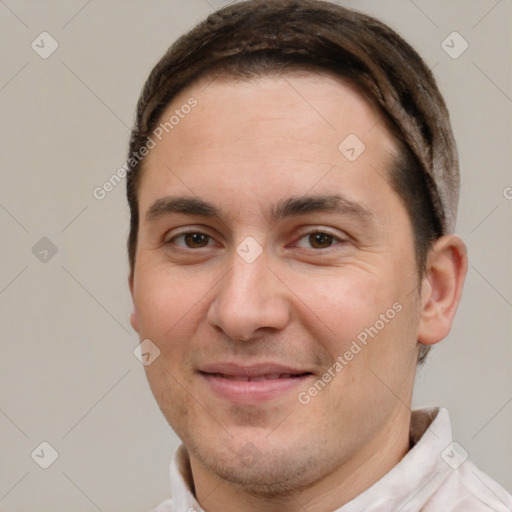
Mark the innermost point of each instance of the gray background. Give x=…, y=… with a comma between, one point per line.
x=68, y=375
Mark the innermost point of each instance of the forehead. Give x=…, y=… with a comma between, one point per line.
x=268, y=134
x=320, y=105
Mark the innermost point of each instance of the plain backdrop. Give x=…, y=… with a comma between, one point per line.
x=68, y=375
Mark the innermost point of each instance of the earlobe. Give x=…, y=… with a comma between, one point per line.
x=442, y=288
x=134, y=321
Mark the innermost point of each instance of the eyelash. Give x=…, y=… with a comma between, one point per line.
x=335, y=239
x=172, y=240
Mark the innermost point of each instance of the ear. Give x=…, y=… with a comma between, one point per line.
x=134, y=321
x=441, y=289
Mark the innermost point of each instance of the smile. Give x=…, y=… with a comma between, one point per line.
x=251, y=384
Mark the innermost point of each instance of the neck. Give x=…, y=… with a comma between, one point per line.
x=330, y=492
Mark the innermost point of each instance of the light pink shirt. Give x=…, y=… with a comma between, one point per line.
x=434, y=476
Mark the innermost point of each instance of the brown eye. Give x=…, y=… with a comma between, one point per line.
x=320, y=240
x=196, y=240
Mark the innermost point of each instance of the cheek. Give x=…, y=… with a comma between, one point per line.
x=165, y=303
x=344, y=305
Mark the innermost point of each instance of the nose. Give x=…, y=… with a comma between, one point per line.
x=250, y=301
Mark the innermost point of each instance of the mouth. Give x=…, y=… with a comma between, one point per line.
x=259, y=378
x=252, y=384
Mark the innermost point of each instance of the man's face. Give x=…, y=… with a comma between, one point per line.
x=246, y=336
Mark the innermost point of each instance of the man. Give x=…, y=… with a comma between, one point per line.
x=293, y=193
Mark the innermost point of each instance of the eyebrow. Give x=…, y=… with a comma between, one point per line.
x=334, y=203
x=285, y=208
x=186, y=205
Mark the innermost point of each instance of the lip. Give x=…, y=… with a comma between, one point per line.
x=252, y=383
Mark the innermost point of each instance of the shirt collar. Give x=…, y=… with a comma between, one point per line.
x=414, y=479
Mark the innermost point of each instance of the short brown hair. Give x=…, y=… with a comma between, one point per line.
x=268, y=37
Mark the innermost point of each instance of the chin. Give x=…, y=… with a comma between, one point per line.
x=272, y=474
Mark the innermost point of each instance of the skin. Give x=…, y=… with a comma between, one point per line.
x=247, y=146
